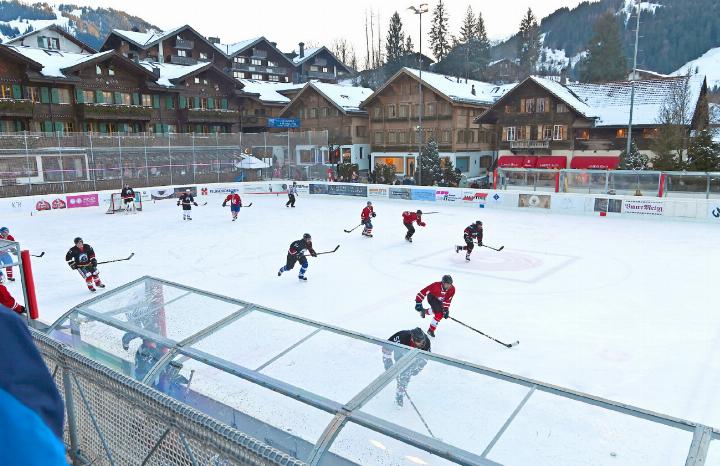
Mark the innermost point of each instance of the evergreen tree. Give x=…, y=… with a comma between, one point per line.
x=528, y=43
x=430, y=169
x=606, y=58
x=439, y=35
x=468, y=30
x=451, y=175
x=409, y=46
x=635, y=160
x=481, y=35
x=703, y=153
x=395, y=42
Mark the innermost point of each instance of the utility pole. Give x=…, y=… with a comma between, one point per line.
x=419, y=10
x=632, y=80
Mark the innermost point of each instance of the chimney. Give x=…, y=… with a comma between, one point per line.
x=472, y=91
x=213, y=40
x=274, y=44
x=156, y=71
x=135, y=29
x=563, y=76
x=302, y=49
x=161, y=55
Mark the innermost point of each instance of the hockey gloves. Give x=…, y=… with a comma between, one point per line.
x=420, y=309
x=446, y=314
x=93, y=262
x=313, y=253
x=20, y=309
x=73, y=265
x=374, y=214
x=422, y=224
x=224, y=204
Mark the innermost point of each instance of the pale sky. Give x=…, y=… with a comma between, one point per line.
x=288, y=22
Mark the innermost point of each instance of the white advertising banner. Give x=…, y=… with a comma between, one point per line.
x=641, y=207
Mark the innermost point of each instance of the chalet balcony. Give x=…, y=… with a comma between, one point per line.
x=594, y=144
x=201, y=115
x=178, y=60
x=257, y=53
x=16, y=107
x=278, y=70
x=529, y=144
x=184, y=44
x=320, y=62
x=114, y=112
x=253, y=121
x=320, y=75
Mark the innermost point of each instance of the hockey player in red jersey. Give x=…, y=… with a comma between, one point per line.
x=474, y=232
x=7, y=301
x=414, y=338
x=366, y=219
x=235, y=204
x=439, y=296
x=408, y=219
x=81, y=257
x=5, y=257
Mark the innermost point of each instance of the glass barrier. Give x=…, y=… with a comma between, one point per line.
x=713, y=454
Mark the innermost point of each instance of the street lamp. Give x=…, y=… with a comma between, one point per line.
x=419, y=10
x=632, y=83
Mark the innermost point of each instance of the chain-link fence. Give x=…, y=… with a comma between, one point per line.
x=113, y=420
x=47, y=163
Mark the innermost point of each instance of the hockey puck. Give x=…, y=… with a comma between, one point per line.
x=612, y=453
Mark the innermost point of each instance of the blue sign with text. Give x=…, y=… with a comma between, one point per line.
x=283, y=122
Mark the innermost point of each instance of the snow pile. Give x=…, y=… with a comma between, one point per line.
x=23, y=25
x=269, y=91
x=628, y=9
x=708, y=64
x=463, y=90
x=556, y=59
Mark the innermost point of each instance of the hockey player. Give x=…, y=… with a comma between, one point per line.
x=296, y=253
x=292, y=192
x=474, y=232
x=186, y=199
x=8, y=302
x=439, y=296
x=408, y=219
x=235, y=203
x=81, y=257
x=414, y=338
x=5, y=257
x=128, y=197
x=365, y=218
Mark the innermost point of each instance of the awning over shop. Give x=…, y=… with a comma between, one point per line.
x=595, y=162
x=511, y=161
x=530, y=161
x=552, y=161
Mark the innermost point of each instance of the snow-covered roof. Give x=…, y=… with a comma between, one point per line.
x=461, y=90
x=708, y=64
x=609, y=103
x=145, y=39
x=54, y=61
x=269, y=92
x=347, y=98
x=168, y=71
x=57, y=29
x=231, y=49
x=307, y=54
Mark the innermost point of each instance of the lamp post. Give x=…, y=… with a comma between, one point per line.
x=633, y=77
x=419, y=10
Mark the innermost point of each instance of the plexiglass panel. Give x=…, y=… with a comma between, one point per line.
x=713, y=456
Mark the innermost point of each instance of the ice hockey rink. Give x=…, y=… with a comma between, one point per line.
x=618, y=308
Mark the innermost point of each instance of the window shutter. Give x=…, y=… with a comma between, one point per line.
x=118, y=98
x=59, y=126
x=85, y=127
x=44, y=95
x=41, y=43
x=122, y=127
x=169, y=102
x=183, y=101
x=55, y=95
x=198, y=128
x=79, y=96
x=156, y=101
x=18, y=126
x=224, y=104
x=17, y=91
x=103, y=127
x=47, y=126
x=211, y=103
x=136, y=99
x=99, y=97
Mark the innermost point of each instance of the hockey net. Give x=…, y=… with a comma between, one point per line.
x=117, y=204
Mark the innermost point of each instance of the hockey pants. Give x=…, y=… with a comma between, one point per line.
x=410, y=228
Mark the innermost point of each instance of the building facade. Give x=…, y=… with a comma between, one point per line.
x=449, y=109
x=258, y=59
x=51, y=38
x=317, y=64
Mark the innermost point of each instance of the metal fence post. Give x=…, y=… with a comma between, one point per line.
x=192, y=137
x=92, y=161
x=147, y=168
x=72, y=420
x=170, y=155
x=217, y=155
x=27, y=162
x=60, y=161
x=122, y=176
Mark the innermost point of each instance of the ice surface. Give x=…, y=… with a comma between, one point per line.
x=619, y=308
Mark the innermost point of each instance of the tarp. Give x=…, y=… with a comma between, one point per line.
x=511, y=161
x=250, y=162
x=530, y=161
x=552, y=161
x=595, y=162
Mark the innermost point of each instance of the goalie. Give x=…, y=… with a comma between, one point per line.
x=128, y=196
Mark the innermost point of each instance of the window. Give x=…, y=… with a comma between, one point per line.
x=203, y=102
x=377, y=112
x=402, y=137
x=182, y=53
x=203, y=56
x=325, y=112
x=416, y=110
x=650, y=133
x=559, y=133
x=111, y=71
x=361, y=131
x=522, y=133
x=404, y=111
x=98, y=70
x=509, y=133
x=546, y=132
x=461, y=136
x=445, y=136
x=542, y=105
x=325, y=70
x=508, y=109
x=274, y=77
x=52, y=43
x=107, y=97
x=430, y=109
x=33, y=93
x=392, y=137
x=314, y=112
x=256, y=61
x=527, y=105
x=561, y=108
x=271, y=63
x=582, y=134
x=462, y=164
x=240, y=60
x=125, y=99
x=197, y=80
x=256, y=76
x=146, y=100
x=444, y=108
x=391, y=111
x=621, y=133
x=378, y=137
x=63, y=96
x=6, y=91
x=89, y=96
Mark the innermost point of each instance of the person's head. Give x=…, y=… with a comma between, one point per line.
x=418, y=337
x=446, y=282
x=294, y=183
x=369, y=203
x=78, y=242
x=307, y=237
x=4, y=232
x=478, y=223
x=127, y=185
x=187, y=191
x=419, y=212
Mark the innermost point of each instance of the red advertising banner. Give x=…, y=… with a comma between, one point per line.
x=83, y=200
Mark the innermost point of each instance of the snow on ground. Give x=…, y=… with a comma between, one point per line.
x=617, y=308
x=708, y=64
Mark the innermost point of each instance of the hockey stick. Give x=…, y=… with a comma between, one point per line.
x=249, y=205
x=494, y=249
x=430, y=213
x=350, y=231
x=418, y=413
x=38, y=255
x=117, y=260
x=510, y=345
x=326, y=252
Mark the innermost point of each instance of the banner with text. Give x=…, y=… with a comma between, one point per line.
x=423, y=195
x=540, y=201
x=358, y=190
x=83, y=200
x=643, y=207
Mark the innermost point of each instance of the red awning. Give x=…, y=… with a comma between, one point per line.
x=552, y=161
x=511, y=161
x=595, y=162
x=530, y=161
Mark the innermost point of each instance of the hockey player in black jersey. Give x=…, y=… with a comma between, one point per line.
x=296, y=253
x=414, y=338
x=187, y=200
x=81, y=257
x=128, y=196
x=474, y=232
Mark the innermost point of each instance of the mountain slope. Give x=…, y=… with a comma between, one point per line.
x=708, y=64
x=91, y=25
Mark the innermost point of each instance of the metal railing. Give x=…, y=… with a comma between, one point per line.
x=113, y=420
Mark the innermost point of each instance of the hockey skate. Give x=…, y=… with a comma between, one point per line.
x=431, y=332
x=99, y=284
x=409, y=239
x=467, y=257
x=302, y=278
x=458, y=249
x=423, y=312
x=280, y=272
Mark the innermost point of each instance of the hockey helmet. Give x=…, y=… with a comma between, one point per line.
x=447, y=279
x=77, y=240
x=478, y=223
x=4, y=230
x=418, y=335
x=419, y=212
x=307, y=237
x=187, y=190
x=368, y=203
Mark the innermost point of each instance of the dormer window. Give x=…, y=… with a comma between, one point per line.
x=111, y=71
x=52, y=43
x=98, y=70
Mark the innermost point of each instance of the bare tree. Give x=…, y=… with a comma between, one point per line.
x=367, y=43
x=340, y=47
x=674, y=120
